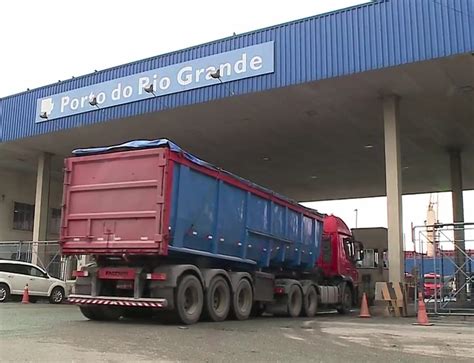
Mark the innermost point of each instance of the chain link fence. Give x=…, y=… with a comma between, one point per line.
x=45, y=254
x=444, y=267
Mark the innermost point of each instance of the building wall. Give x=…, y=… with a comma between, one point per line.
x=21, y=187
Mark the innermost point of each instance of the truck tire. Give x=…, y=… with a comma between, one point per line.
x=242, y=300
x=138, y=313
x=310, y=302
x=217, y=299
x=101, y=312
x=189, y=299
x=346, y=303
x=257, y=309
x=295, y=301
x=89, y=312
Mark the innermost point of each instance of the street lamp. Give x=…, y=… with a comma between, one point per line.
x=356, y=211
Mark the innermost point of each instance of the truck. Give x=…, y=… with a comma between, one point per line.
x=169, y=234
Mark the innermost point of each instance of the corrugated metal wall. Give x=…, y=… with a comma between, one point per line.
x=370, y=36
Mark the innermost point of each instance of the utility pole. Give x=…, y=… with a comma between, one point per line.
x=356, y=216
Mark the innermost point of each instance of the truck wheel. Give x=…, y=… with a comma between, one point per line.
x=242, y=300
x=295, y=301
x=89, y=312
x=217, y=300
x=101, y=312
x=4, y=293
x=310, y=302
x=189, y=300
x=257, y=309
x=346, y=303
x=138, y=313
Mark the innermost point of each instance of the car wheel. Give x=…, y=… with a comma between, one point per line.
x=57, y=295
x=4, y=293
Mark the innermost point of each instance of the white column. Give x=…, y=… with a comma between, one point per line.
x=458, y=217
x=393, y=179
x=40, y=225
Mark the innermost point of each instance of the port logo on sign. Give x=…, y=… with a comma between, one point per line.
x=202, y=72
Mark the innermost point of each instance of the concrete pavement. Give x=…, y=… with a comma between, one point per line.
x=48, y=333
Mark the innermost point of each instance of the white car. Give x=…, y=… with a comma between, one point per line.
x=15, y=275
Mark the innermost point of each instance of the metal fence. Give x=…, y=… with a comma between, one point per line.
x=444, y=267
x=45, y=254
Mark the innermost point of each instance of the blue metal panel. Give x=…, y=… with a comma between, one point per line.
x=1, y=120
x=215, y=219
x=365, y=37
x=444, y=266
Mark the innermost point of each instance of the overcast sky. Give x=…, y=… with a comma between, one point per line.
x=46, y=41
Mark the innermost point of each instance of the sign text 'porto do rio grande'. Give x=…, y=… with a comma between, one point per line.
x=229, y=66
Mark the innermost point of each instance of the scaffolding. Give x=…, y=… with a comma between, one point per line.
x=445, y=278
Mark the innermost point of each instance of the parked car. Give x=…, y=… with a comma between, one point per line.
x=15, y=275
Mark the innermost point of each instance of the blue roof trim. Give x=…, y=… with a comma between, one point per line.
x=361, y=38
x=189, y=49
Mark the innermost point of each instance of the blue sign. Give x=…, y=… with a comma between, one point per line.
x=224, y=67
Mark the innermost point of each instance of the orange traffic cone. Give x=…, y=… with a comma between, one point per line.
x=422, y=318
x=26, y=296
x=364, y=307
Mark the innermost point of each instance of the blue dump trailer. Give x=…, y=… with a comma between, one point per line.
x=166, y=230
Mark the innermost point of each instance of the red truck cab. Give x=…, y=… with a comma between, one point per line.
x=432, y=285
x=339, y=252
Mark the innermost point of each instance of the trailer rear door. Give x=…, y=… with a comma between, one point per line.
x=114, y=203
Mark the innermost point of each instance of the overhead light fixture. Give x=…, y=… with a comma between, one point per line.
x=368, y=146
x=150, y=89
x=217, y=75
x=93, y=101
x=314, y=177
x=44, y=115
x=266, y=158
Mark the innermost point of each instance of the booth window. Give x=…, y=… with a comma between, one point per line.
x=369, y=259
x=385, y=258
x=23, y=216
x=55, y=221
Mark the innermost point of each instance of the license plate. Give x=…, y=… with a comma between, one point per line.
x=125, y=285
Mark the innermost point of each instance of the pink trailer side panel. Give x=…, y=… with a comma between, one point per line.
x=115, y=203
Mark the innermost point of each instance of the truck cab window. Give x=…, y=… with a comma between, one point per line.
x=349, y=248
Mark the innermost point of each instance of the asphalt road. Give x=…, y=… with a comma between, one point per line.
x=48, y=333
